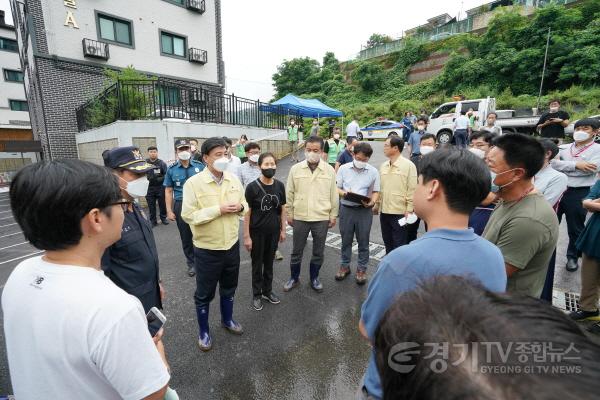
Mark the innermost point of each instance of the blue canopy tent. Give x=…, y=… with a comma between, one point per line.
x=302, y=107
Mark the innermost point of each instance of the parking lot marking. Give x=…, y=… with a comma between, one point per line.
x=13, y=245
x=25, y=256
x=10, y=234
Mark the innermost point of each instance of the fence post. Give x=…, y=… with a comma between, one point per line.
x=120, y=101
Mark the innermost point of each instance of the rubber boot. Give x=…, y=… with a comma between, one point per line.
x=204, y=339
x=294, y=278
x=315, y=283
x=227, y=316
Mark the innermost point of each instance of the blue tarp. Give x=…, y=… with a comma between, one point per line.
x=291, y=104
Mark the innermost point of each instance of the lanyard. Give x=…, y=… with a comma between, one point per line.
x=576, y=155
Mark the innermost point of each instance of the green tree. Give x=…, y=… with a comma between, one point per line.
x=377, y=39
x=299, y=76
x=368, y=75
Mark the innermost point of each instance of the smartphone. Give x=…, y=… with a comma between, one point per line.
x=156, y=320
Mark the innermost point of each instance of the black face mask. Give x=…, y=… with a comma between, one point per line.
x=268, y=172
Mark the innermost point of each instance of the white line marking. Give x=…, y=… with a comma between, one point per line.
x=2, y=212
x=6, y=217
x=4, y=226
x=18, y=258
x=13, y=245
x=10, y=234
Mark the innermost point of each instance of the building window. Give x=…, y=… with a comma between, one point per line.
x=115, y=30
x=172, y=45
x=178, y=2
x=11, y=75
x=169, y=96
x=9, y=44
x=18, y=105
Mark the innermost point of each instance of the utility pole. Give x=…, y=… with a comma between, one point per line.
x=543, y=70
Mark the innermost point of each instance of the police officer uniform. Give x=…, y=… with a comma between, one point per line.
x=156, y=191
x=175, y=178
x=132, y=262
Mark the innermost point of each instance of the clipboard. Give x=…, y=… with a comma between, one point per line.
x=356, y=198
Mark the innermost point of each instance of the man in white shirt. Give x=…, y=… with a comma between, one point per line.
x=461, y=131
x=70, y=332
x=234, y=161
x=352, y=130
x=490, y=124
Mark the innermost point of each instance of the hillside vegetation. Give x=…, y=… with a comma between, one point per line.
x=504, y=62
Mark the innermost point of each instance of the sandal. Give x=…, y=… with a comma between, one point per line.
x=342, y=273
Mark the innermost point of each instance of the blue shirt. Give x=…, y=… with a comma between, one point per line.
x=438, y=252
x=360, y=181
x=415, y=142
x=177, y=175
x=345, y=157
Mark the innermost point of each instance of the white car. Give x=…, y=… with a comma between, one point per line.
x=380, y=130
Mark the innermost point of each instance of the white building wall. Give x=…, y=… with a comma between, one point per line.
x=147, y=17
x=10, y=90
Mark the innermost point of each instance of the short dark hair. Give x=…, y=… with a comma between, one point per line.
x=193, y=140
x=521, y=151
x=428, y=136
x=49, y=199
x=478, y=326
x=593, y=122
x=554, y=101
x=228, y=141
x=152, y=148
x=487, y=137
x=549, y=146
x=396, y=141
x=316, y=139
x=364, y=148
x=266, y=155
x=422, y=119
x=490, y=113
x=464, y=177
x=251, y=145
x=209, y=144
x=351, y=139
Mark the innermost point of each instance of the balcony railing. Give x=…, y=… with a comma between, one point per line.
x=198, y=56
x=95, y=49
x=162, y=99
x=196, y=5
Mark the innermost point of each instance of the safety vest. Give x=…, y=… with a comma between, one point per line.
x=334, y=150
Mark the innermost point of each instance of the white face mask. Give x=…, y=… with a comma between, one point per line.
x=478, y=152
x=184, y=155
x=580, y=136
x=553, y=109
x=336, y=136
x=253, y=158
x=359, y=164
x=138, y=187
x=421, y=127
x=311, y=157
x=426, y=150
x=221, y=164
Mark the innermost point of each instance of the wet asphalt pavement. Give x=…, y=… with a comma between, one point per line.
x=307, y=347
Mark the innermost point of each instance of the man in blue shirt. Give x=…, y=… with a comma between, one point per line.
x=346, y=156
x=175, y=178
x=414, y=141
x=451, y=183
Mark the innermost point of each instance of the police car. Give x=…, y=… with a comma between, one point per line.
x=381, y=130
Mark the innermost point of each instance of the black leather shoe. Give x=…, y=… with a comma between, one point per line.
x=191, y=271
x=154, y=223
x=257, y=304
x=572, y=265
x=165, y=222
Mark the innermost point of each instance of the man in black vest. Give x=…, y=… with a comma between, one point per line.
x=156, y=190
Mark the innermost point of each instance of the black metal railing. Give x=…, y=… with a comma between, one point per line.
x=163, y=99
x=94, y=48
x=196, y=5
x=198, y=55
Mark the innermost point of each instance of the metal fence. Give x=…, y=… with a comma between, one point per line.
x=159, y=99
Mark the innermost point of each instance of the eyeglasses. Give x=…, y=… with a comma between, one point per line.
x=124, y=203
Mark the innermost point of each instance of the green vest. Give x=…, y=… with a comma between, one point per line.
x=293, y=133
x=334, y=150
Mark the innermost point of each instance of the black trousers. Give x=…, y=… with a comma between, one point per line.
x=263, y=254
x=392, y=233
x=185, y=233
x=570, y=206
x=156, y=193
x=214, y=267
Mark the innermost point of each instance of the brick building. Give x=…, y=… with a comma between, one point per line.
x=66, y=45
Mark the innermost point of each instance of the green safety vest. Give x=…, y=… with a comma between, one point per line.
x=293, y=133
x=334, y=150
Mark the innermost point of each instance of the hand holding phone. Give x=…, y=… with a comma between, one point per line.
x=156, y=320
